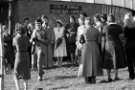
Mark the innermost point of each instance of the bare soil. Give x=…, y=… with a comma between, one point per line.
x=65, y=78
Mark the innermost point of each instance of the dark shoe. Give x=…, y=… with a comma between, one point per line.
x=132, y=77
x=117, y=78
x=88, y=80
x=93, y=80
x=110, y=80
x=103, y=81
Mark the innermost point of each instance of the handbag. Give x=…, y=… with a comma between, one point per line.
x=82, y=39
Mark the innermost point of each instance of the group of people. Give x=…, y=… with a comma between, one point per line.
x=107, y=45
x=94, y=43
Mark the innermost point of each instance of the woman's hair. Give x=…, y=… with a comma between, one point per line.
x=80, y=21
x=90, y=20
x=26, y=18
x=128, y=20
x=73, y=17
x=43, y=17
x=104, y=16
x=17, y=26
x=84, y=14
x=4, y=28
x=97, y=16
x=30, y=26
x=38, y=20
x=59, y=22
x=111, y=18
x=22, y=30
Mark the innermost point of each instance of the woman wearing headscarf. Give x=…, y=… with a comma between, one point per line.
x=114, y=52
x=60, y=43
x=21, y=66
x=129, y=32
x=90, y=52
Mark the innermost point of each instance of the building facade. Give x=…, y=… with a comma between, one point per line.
x=13, y=11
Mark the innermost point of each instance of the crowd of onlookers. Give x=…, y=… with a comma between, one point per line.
x=93, y=43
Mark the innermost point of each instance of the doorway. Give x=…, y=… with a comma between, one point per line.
x=4, y=12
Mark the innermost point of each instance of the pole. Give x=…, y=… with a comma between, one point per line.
x=9, y=16
x=1, y=62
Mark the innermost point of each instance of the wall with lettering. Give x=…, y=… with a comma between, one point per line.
x=60, y=10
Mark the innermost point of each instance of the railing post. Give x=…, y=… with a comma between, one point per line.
x=1, y=62
x=9, y=16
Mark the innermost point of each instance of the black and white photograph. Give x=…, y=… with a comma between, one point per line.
x=67, y=44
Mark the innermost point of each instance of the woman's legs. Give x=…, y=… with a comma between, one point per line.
x=33, y=62
x=87, y=79
x=116, y=74
x=17, y=83
x=59, y=60
x=109, y=75
x=90, y=80
x=93, y=79
x=25, y=84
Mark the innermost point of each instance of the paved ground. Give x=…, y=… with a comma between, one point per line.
x=65, y=78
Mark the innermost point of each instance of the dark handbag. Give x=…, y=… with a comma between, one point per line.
x=82, y=39
x=58, y=42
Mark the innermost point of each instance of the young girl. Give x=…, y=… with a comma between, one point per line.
x=21, y=68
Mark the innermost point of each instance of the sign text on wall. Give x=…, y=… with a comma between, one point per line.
x=65, y=9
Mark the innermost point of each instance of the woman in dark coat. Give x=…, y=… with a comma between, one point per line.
x=91, y=58
x=21, y=67
x=129, y=32
x=8, y=49
x=114, y=53
x=71, y=33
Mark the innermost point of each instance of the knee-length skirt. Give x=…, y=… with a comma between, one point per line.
x=61, y=50
x=21, y=67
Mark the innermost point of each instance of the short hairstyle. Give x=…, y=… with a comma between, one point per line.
x=104, y=16
x=90, y=19
x=97, y=16
x=84, y=14
x=38, y=21
x=43, y=16
x=22, y=30
x=112, y=18
x=73, y=17
x=26, y=18
x=59, y=22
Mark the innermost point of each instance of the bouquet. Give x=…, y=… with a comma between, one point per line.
x=58, y=42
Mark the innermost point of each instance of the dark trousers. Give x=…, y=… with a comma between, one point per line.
x=90, y=79
x=131, y=63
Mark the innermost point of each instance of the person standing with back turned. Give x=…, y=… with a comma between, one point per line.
x=21, y=67
x=90, y=52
